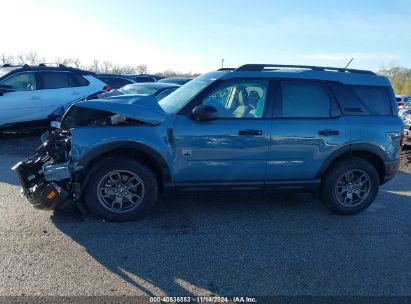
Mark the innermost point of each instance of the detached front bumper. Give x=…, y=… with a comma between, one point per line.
x=46, y=184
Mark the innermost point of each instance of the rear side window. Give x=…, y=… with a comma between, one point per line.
x=115, y=83
x=304, y=99
x=55, y=80
x=375, y=99
x=362, y=100
x=77, y=81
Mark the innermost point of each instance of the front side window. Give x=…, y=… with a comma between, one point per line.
x=240, y=99
x=304, y=99
x=21, y=82
x=55, y=80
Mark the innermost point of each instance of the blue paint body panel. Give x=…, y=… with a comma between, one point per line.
x=214, y=152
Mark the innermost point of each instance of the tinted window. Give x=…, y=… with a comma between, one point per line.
x=115, y=83
x=375, y=99
x=305, y=99
x=242, y=99
x=21, y=82
x=78, y=81
x=144, y=79
x=55, y=80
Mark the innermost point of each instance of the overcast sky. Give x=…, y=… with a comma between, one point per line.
x=187, y=35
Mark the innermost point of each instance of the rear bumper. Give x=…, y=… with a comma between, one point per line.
x=391, y=168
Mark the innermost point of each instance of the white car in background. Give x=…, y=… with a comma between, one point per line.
x=402, y=100
x=28, y=94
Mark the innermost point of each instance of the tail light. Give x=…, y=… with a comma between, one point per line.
x=107, y=88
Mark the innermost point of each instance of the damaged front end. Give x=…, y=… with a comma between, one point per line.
x=46, y=177
x=51, y=178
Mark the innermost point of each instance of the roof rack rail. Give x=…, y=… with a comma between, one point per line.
x=261, y=67
x=11, y=65
x=226, y=69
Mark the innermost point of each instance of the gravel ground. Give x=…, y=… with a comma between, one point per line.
x=206, y=244
x=406, y=160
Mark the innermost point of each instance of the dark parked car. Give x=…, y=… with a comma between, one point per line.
x=158, y=89
x=134, y=91
x=258, y=127
x=178, y=80
x=116, y=81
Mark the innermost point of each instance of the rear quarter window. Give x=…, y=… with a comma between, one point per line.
x=374, y=98
x=362, y=99
x=77, y=81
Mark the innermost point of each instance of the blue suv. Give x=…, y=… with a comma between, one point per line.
x=258, y=127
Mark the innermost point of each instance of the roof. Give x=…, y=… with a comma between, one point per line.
x=346, y=76
x=41, y=67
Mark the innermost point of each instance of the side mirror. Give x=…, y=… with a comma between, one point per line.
x=5, y=88
x=204, y=113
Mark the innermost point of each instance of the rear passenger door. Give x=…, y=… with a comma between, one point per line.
x=307, y=127
x=58, y=88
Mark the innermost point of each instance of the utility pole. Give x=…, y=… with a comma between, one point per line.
x=222, y=63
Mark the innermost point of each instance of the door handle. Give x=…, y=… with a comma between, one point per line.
x=250, y=132
x=328, y=132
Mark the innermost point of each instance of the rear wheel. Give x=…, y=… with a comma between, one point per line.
x=350, y=186
x=121, y=190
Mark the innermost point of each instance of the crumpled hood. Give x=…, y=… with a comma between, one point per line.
x=145, y=110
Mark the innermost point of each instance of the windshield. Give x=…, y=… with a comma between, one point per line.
x=137, y=89
x=179, y=98
x=6, y=70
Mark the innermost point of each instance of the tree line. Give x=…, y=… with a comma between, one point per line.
x=32, y=58
x=400, y=78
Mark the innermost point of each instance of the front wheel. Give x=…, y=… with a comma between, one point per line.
x=350, y=186
x=121, y=190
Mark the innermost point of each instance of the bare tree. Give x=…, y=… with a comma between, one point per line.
x=95, y=67
x=6, y=59
x=76, y=62
x=21, y=59
x=141, y=69
x=32, y=58
x=107, y=66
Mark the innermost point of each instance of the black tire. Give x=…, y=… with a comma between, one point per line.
x=126, y=167
x=328, y=191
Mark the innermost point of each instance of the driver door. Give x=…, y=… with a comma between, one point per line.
x=231, y=150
